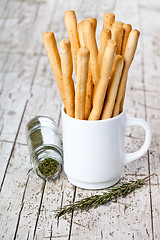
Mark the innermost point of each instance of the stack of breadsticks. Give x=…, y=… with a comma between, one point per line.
x=101, y=75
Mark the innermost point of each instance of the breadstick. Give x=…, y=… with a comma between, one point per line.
x=94, y=22
x=54, y=58
x=117, y=35
x=117, y=23
x=101, y=88
x=89, y=87
x=116, y=109
x=89, y=96
x=128, y=58
x=67, y=69
x=71, y=25
x=81, y=81
x=121, y=104
x=90, y=43
x=112, y=90
x=81, y=39
x=127, y=28
x=108, y=20
x=104, y=36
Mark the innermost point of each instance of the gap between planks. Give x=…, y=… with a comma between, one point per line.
x=22, y=204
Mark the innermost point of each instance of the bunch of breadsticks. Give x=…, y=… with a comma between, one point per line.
x=101, y=75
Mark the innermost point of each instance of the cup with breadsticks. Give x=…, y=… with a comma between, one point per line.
x=93, y=116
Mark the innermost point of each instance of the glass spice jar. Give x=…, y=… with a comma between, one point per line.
x=45, y=148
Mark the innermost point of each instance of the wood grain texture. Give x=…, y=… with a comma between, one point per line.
x=151, y=77
x=28, y=88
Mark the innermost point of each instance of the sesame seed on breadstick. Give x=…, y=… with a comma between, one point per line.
x=112, y=89
x=67, y=69
x=117, y=35
x=54, y=58
x=108, y=20
x=104, y=36
x=127, y=28
x=101, y=88
x=81, y=81
x=71, y=25
x=128, y=58
x=90, y=43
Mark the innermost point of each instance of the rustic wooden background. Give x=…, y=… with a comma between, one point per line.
x=28, y=88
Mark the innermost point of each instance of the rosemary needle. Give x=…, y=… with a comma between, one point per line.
x=122, y=189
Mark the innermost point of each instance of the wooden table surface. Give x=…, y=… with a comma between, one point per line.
x=28, y=88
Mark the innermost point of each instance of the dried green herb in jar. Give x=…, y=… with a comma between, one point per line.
x=45, y=148
x=36, y=139
x=48, y=167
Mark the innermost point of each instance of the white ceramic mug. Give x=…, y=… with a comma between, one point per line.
x=94, y=150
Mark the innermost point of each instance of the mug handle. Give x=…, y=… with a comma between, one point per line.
x=129, y=157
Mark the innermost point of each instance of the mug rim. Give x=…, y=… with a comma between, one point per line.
x=94, y=121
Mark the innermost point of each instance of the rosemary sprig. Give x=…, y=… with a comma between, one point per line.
x=122, y=189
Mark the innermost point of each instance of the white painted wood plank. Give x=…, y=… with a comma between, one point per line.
x=5, y=150
x=45, y=100
x=30, y=209
x=12, y=191
x=13, y=99
x=3, y=7
x=12, y=9
x=151, y=58
x=125, y=219
x=19, y=68
x=41, y=103
x=56, y=193
x=18, y=73
x=3, y=59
